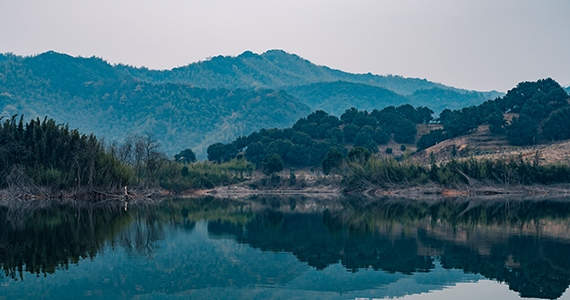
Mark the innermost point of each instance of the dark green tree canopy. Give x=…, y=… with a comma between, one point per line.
x=272, y=163
x=557, y=126
x=522, y=131
x=221, y=152
x=185, y=156
x=332, y=161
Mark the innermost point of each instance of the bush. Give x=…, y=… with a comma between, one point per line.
x=389, y=150
x=358, y=155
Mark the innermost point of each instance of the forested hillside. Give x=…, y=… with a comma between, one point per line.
x=91, y=94
x=275, y=69
x=540, y=113
x=307, y=142
x=439, y=99
x=337, y=96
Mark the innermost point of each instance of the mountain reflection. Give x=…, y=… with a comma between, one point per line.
x=523, y=243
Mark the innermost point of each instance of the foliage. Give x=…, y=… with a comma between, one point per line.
x=358, y=155
x=186, y=156
x=275, y=69
x=221, y=152
x=440, y=99
x=432, y=138
x=405, y=132
x=272, y=163
x=79, y=90
x=557, y=126
x=205, y=175
x=514, y=170
x=332, y=161
x=522, y=131
x=54, y=156
x=534, y=101
x=337, y=96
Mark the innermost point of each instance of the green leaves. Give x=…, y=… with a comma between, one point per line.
x=272, y=163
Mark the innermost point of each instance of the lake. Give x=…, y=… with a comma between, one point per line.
x=282, y=247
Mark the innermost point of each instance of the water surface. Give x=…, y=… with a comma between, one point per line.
x=287, y=248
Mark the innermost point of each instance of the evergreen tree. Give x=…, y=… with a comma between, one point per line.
x=272, y=163
x=522, y=131
x=332, y=161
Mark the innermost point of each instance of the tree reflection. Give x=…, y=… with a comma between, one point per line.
x=519, y=242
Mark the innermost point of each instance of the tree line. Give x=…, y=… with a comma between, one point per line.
x=42, y=156
x=542, y=104
x=307, y=142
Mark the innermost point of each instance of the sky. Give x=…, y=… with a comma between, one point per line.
x=478, y=45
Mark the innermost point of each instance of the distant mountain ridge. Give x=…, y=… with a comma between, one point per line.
x=204, y=102
x=338, y=96
x=90, y=94
x=275, y=69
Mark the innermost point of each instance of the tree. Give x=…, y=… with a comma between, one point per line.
x=358, y=154
x=301, y=138
x=522, y=131
x=361, y=139
x=220, y=152
x=255, y=153
x=432, y=138
x=348, y=115
x=496, y=122
x=350, y=131
x=380, y=136
x=298, y=155
x=408, y=111
x=405, y=132
x=557, y=126
x=335, y=135
x=185, y=156
x=271, y=164
x=333, y=160
x=423, y=115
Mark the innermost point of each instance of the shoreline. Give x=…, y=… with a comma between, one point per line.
x=428, y=190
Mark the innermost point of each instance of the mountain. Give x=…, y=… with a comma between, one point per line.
x=338, y=96
x=202, y=103
x=91, y=94
x=275, y=69
x=439, y=99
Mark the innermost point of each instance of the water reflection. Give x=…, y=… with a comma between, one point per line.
x=335, y=247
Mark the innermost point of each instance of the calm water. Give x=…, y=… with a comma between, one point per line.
x=287, y=248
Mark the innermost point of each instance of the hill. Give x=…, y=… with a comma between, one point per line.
x=338, y=96
x=91, y=94
x=439, y=99
x=530, y=114
x=275, y=69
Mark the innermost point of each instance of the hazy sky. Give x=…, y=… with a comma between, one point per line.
x=481, y=45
